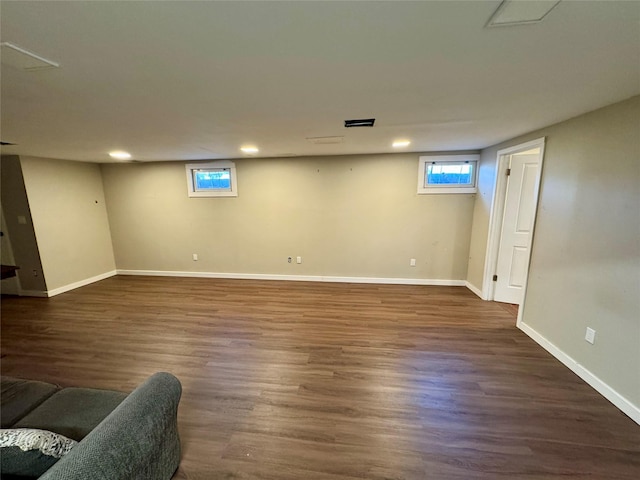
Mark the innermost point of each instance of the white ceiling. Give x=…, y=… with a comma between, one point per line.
x=196, y=80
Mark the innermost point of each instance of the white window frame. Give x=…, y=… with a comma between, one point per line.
x=423, y=161
x=219, y=165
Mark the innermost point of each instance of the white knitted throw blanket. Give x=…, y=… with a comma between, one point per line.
x=26, y=439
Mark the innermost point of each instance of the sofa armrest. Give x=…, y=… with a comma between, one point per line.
x=138, y=440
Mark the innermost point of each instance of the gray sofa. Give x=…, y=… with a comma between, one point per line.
x=120, y=436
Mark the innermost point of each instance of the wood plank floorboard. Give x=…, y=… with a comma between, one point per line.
x=296, y=380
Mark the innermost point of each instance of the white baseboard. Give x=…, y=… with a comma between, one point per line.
x=474, y=289
x=601, y=387
x=81, y=283
x=295, y=278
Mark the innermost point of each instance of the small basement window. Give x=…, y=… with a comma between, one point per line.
x=447, y=174
x=214, y=179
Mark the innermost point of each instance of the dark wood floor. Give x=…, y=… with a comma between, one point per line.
x=287, y=380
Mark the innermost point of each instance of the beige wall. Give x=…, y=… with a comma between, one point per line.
x=585, y=265
x=481, y=212
x=355, y=216
x=70, y=219
x=23, y=239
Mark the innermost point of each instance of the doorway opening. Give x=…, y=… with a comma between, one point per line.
x=512, y=223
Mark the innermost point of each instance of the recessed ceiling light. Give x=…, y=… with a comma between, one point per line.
x=401, y=143
x=249, y=149
x=120, y=155
x=521, y=12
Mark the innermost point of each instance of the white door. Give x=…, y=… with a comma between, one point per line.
x=517, y=226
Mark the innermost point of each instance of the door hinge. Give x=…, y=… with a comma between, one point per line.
x=495, y=278
x=508, y=172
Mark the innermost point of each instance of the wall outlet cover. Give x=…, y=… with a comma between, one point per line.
x=590, y=336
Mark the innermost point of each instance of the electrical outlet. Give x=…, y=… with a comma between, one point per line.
x=35, y=273
x=195, y=257
x=412, y=263
x=298, y=259
x=590, y=336
x=289, y=259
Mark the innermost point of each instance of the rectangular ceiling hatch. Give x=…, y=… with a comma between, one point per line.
x=20, y=58
x=325, y=140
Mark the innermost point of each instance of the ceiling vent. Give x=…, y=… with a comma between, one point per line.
x=325, y=140
x=367, y=122
x=24, y=59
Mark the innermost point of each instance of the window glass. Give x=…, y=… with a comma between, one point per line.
x=449, y=174
x=219, y=179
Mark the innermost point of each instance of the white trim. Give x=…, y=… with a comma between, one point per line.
x=474, y=289
x=497, y=212
x=20, y=64
x=601, y=387
x=521, y=18
x=472, y=158
x=523, y=147
x=221, y=164
x=81, y=283
x=447, y=190
x=296, y=278
x=495, y=226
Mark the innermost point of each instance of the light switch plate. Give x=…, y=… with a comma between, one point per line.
x=590, y=336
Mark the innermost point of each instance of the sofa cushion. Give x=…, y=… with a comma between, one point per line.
x=73, y=412
x=18, y=397
x=138, y=440
x=30, y=452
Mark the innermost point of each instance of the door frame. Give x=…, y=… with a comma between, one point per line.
x=497, y=214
